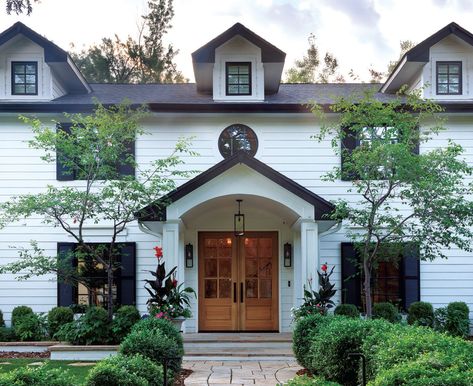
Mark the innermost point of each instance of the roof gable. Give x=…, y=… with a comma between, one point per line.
x=269, y=53
x=157, y=211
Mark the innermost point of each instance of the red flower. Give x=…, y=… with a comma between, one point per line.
x=174, y=283
x=158, y=252
x=324, y=267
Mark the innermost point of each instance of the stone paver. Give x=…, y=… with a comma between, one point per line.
x=240, y=372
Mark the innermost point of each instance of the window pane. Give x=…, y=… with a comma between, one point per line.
x=31, y=69
x=31, y=79
x=19, y=68
x=232, y=79
x=442, y=88
x=244, y=89
x=210, y=288
x=244, y=69
x=453, y=79
x=19, y=89
x=19, y=79
x=453, y=89
x=265, y=288
x=233, y=89
x=443, y=78
x=251, y=288
x=233, y=70
x=454, y=69
x=210, y=267
x=244, y=79
x=225, y=288
x=225, y=268
x=30, y=89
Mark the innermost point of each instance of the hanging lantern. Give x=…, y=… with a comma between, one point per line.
x=239, y=222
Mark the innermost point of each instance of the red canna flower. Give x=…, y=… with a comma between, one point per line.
x=158, y=252
x=324, y=267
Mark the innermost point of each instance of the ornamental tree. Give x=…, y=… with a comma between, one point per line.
x=398, y=195
x=94, y=150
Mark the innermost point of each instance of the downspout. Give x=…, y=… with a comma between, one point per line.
x=145, y=229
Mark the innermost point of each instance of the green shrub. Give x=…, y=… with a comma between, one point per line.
x=37, y=376
x=328, y=353
x=125, y=318
x=421, y=314
x=155, y=345
x=91, y=328
x=19, y=312
x=2, y=321
x=57, y=317
x=303, y=333
x=29, y=327
x=453, y=319
x=349, y=310
x=307, y=381
x=121, y=370
x=7, y=334
x=429, y=370
x=165, y=326
x=386, y=311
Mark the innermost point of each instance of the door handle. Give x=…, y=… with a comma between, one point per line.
x=241, y=292
x=234, y=293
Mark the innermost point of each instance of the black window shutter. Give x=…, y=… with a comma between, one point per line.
x=348, y=145
x=65, y=292
x=351, y=278
x=63, y=173
x=411, y=273
x=125, y=168
x=127, y=295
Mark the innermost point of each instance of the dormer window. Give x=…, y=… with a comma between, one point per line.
x=449, y=78
x=238, y=78
x=24, y=78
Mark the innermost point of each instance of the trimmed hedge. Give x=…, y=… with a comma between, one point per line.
x=57, y=317
x=121, y=370
x=421, y=314
x=386, y=311
x=20, y=312
x=125, y=318
x=307, y=381
x=37, y=376
x=349, y=310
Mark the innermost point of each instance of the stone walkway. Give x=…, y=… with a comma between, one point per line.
x=240, y=372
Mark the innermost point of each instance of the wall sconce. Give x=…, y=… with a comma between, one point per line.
x=287, y=255
x=189, y=252
x=239, y=222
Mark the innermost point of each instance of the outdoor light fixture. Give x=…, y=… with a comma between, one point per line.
x=189, y=256
x=287, y=255
x=239, y=222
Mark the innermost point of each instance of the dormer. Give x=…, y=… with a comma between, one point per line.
x=33, y=68
x=238, y=66
x=441, y=66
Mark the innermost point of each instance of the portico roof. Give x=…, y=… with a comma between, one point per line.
x=157, y=211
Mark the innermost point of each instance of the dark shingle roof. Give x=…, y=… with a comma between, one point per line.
x=184, y=97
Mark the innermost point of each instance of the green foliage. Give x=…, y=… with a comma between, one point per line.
x=308, y=381
x=30, y=327
x=165, y=326
x=37, y=376
x=19, y=312
x=156, y=343
x=91, y=328
x=421, y=313
x=57, y=317
x=20, y=6
x=349, y=310
x=121, y=370
x=2, y=321
x=146, y=60
x=453, y=319
x=303, y=333
x=386, y=311
x=125, y=318
x=385, y=169
x=7, y=334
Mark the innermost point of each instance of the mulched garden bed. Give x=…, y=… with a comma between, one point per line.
x=304, y=372
x=181, y=377
x=24, y=355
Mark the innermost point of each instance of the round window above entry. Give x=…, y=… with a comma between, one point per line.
x=237, y=138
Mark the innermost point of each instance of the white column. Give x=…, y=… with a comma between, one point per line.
x=309, y=251
x=171, y=248
x=297, y=264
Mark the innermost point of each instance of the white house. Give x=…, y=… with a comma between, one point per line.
x=244, y=283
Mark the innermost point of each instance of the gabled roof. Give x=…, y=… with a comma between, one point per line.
x=416, y=57
x=269, y=53
x=157, y=211
x=58, y=59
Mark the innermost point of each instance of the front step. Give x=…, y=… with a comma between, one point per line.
x=238, y=346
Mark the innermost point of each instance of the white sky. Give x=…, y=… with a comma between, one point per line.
x=360, y=33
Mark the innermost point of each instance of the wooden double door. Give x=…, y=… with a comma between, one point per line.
x=238, y=281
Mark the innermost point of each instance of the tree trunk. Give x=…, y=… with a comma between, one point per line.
x=110, y=292
x=367, y=288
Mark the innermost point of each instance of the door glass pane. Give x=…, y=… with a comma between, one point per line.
x=251, y=288
x=251, y=267
x=210, y=288
x=224, y=248
x=265, y=248
x=225, y=288
x=225, y=268
x=251, y=247
x=265, y=288
x=210, y=267
x=265, y=268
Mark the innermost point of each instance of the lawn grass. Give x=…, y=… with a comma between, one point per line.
x=79, y=372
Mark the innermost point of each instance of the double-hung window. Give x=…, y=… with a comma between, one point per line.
x=238, y=78
x=449, y=78
x=24, y=78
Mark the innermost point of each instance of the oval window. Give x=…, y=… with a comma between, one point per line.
x=237, y=138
